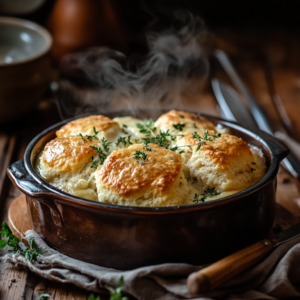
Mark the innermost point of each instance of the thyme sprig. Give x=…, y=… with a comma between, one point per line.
x=90, y=137
x=163, y=139
x=30, y=253
x=209, y=192
x=140, y=155
x=124, y=127
x=205, y=137
x=124, y=141
x=102, y=153
x=115, y=294
x=179, y=126
x=147, y=127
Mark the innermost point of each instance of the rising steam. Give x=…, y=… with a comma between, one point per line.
x=100, y=78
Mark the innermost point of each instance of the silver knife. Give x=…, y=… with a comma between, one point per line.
x=220, y=272
x=224, y=93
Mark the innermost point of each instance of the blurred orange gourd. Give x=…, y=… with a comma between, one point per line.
x=77, y=24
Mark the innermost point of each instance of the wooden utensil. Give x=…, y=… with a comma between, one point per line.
x=225, y=269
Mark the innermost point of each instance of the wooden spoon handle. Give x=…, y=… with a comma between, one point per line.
x=225, y=269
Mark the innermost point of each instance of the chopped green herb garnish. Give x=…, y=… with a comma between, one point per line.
x=147, y=147
x=147, y=127
x=30, y=253
x=90, y=137
x=123, y=128
x=82, y=137
x=195, y=135
x=209, y=192
x=128, y=140
x=136, y=140
x=205, y=137
x=161, y=139
x=140, y=154
x=121, y=140
x=124, y=141
x=182, y=151
x=195, y=126
x=179, y=126
x=181, y=116
x=102, y=153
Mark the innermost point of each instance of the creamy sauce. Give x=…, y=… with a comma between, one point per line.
x=86, y=188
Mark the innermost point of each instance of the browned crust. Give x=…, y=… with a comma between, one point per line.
x=174, y=117
x=127, y=176
x=66, y=153
x=223, y=150
x=85, y=125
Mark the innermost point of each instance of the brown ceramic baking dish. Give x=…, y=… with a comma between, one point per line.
x=128, y=237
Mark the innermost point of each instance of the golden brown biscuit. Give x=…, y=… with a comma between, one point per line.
x=105, y=126
x=189, y=122
x=66, y=154
x=66, y=164
x=156, y=180
x=225, y=163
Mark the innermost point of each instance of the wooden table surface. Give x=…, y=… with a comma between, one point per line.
x=268, y=62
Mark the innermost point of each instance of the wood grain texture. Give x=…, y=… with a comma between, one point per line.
x=18, y=219
x=250, y=51
x=225, y=269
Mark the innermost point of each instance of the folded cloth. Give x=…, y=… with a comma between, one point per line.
x=277, y=277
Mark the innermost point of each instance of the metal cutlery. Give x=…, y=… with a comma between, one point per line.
x=234, y=109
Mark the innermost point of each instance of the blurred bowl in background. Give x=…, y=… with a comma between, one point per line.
x=25, y=66
x=18, y=7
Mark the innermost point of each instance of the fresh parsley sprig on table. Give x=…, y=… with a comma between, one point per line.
x=90, y=137
x=209, y=192
x=115, y=294
x=30, y=253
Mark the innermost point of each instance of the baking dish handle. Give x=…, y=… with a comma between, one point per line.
x=29, y=186
x=278, y=148
x=24, y=181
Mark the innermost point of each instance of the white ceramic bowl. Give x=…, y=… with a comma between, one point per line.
x=25, y=66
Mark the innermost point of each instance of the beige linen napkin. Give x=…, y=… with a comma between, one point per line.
x=277, y=277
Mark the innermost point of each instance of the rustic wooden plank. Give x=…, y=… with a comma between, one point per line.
x=9, y=156
x=12, y=283
x=69, y=292
x=247, y=50
x=44, y=287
